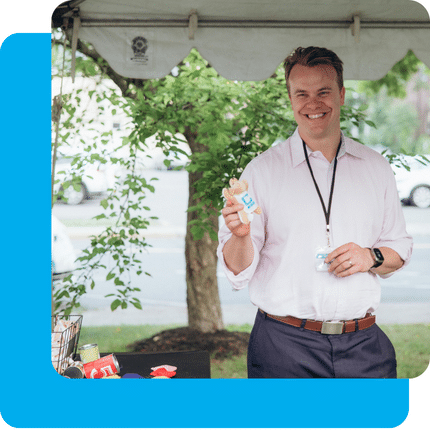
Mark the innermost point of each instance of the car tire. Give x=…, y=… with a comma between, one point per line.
x=74, y=197
x=420, y=196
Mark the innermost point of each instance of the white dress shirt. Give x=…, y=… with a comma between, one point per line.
x=366, y=210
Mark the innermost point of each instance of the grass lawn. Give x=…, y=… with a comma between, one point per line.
x=411, y=341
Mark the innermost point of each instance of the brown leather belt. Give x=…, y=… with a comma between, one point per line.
x=327, y=327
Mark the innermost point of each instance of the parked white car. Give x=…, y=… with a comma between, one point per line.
x=94, y=182
x=414, y=185
x=63, y=255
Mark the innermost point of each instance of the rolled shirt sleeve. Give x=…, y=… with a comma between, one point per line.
x=394, y=234
x=242, y=279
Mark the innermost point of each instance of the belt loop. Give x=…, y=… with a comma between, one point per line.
x=264, y=313
x=302, y=325
x=356, y=324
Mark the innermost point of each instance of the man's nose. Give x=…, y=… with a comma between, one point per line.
x=314, y=102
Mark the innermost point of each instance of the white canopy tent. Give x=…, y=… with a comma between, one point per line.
x=248, y=39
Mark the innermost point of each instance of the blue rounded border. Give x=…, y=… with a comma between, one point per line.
x=33, y=395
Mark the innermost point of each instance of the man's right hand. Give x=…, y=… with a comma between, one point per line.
x=232, y=220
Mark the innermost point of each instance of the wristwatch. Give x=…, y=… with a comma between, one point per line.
x=377, y=256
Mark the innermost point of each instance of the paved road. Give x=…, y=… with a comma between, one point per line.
x=405, y=296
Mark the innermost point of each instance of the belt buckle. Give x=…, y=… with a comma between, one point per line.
x=332, y=327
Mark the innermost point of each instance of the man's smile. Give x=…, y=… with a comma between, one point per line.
x=316, y=116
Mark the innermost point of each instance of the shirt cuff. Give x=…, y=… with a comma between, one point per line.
x=403, y=249
x=242, y=279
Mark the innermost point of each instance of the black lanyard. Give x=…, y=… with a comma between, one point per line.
x=326, y=211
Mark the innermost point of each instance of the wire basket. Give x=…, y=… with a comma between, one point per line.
x=64, y=340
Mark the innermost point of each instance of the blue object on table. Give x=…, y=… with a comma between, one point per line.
x=132, y=375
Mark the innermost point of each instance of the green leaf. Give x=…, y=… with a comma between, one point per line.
x=115, y=304
x=197, y=232
x=101, y=216
x=118, y=282
x=110, y=276
x=137, y=305
x=213, y=235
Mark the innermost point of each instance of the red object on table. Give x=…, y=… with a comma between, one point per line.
x=162, y=372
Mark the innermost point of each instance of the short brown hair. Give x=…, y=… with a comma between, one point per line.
x=311, y=57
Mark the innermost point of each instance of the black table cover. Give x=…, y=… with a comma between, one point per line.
x=190, y=364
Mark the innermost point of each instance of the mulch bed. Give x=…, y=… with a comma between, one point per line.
x=221, y=344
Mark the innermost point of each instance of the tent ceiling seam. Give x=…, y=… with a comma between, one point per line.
x=90, y=22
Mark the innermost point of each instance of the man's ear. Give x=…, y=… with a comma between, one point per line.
x=342, y=96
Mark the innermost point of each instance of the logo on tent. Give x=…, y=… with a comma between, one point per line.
x=139, y=45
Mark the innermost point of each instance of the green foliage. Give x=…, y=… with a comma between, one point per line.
x=393, y=122
x=123, y=241
x=226, y=123
x=396, y=122
x=394, y=81
x=400, y=122
x=124, y=206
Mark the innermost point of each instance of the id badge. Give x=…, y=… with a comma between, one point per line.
x=320, y=255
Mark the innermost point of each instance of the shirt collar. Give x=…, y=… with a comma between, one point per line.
x=348, y=146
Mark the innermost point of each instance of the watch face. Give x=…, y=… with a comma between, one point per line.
x=378, y=255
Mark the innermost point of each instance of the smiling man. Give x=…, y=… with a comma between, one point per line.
x=331, y=223
x=316, y=100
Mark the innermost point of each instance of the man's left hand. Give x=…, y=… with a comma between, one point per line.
x=349, y=259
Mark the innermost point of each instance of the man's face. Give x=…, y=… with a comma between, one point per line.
x=316, y=100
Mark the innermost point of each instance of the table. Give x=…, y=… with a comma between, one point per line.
x=190, y=364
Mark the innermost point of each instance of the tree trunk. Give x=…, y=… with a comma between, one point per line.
x=204, y=306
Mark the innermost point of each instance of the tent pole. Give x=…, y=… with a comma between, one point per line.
x=76, y=26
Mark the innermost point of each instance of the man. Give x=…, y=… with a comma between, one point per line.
x=331, y=223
